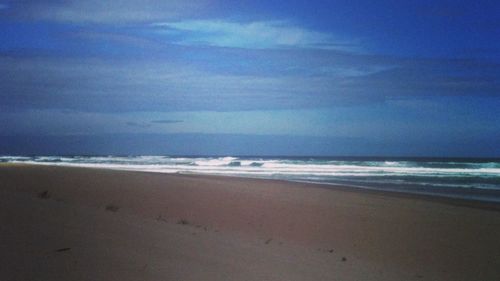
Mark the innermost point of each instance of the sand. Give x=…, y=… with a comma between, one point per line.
x=60, y=223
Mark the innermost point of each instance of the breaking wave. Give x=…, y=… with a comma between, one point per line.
x=401, y=174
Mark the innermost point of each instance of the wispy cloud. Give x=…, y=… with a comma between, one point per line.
x=138, y=124
x=100, y=85
x=166, y=121
x=135, y=84
x=250, y=35
x=96, y=11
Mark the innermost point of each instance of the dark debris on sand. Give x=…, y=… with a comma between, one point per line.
x=112, y=208
x=161, y=218
x=63, y=249
x=44, y=194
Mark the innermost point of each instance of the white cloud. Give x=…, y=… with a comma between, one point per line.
x=255, y=35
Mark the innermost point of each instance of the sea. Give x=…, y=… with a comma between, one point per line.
x=466, y=178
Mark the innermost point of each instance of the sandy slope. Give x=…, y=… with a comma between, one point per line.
x=111, y=225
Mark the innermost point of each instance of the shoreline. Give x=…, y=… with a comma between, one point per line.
x=486, y=204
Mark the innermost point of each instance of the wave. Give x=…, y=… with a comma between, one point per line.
x=404, y=172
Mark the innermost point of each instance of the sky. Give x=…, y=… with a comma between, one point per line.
x=325, y=78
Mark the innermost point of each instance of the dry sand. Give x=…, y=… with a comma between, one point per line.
x=61, y=223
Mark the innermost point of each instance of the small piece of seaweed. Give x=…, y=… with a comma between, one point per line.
x=63, y=249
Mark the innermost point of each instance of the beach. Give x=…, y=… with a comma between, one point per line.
x=66, y=223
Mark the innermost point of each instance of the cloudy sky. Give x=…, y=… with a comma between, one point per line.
x=417, y=78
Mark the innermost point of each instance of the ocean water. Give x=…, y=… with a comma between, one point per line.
x=475, y=179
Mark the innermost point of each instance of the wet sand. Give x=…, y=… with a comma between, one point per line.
x=60, y=223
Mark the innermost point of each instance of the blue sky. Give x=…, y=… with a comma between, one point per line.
x=418, y=78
